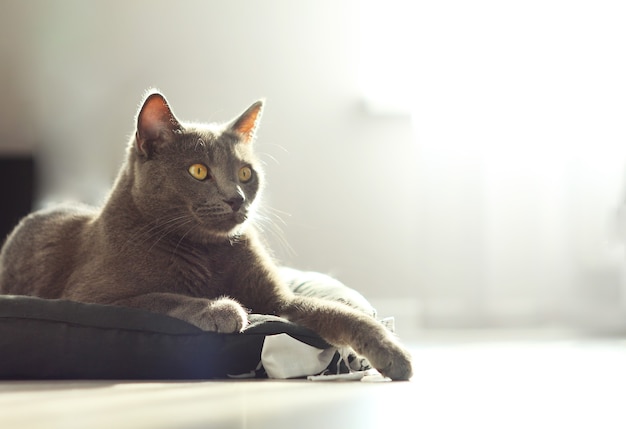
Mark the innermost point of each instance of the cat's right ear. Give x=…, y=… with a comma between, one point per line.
x=155, y=123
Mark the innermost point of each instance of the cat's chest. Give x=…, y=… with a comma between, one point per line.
x=199, y=270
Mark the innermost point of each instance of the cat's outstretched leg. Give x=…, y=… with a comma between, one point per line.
x=341, y=325
x=222, y=315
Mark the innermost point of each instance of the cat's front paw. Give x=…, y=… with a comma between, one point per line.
x=222, y=315
x=391, y=360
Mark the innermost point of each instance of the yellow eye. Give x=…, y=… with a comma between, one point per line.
x=245, y=174
x=198, y=171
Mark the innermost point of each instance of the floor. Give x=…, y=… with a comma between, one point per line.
x=461, y=380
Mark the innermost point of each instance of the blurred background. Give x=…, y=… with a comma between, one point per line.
x=459, y=163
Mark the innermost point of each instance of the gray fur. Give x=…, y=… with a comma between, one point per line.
x=169, y=243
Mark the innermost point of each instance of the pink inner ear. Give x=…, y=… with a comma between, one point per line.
x=155, y=117
x=247, y=123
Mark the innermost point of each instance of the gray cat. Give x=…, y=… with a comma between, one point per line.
x=174, y=237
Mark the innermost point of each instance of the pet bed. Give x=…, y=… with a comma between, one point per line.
x=58, y=339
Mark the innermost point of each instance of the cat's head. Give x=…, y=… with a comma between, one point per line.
x=202, y=179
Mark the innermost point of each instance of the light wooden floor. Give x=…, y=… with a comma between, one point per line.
x=461, y=381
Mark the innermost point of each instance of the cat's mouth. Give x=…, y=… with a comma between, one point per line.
x=217, y=220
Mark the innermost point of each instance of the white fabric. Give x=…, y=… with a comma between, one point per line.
x=285, y=357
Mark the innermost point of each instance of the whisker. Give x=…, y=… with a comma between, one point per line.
x=158, y=229
x=263, y=220
x=270, y=157
x=277, y=214
x=172, y=227
x=183, y=237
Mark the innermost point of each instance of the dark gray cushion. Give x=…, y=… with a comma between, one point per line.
x=57, y=339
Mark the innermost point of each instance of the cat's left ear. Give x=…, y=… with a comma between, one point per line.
x=247, y=123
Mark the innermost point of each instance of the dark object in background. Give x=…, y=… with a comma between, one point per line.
x=17, y=191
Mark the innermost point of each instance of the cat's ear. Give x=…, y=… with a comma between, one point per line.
x=155, y=122
x=248, y=122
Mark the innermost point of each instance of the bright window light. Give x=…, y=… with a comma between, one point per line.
x=519, y=111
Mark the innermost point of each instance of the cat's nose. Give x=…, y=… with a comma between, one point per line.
x=235, y=202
